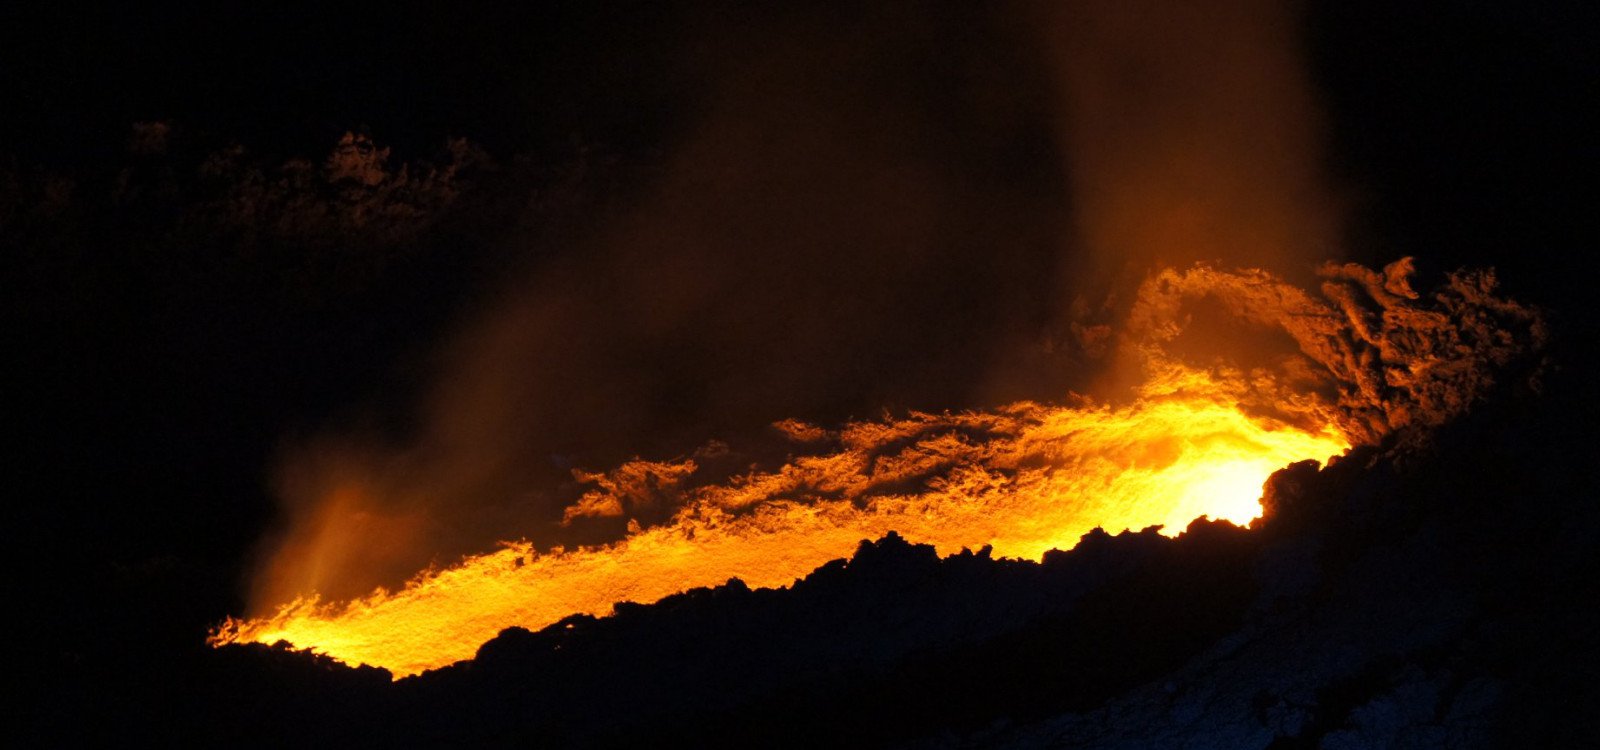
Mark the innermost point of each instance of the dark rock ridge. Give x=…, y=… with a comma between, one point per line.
x=1430, y=601
x=1433, y=598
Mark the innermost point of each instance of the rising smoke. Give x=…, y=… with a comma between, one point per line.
x=1191, y=134
x=902, y=206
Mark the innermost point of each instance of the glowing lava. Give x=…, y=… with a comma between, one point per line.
x=1374, y=358
x=1025, y=480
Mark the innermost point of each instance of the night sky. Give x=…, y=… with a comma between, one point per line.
x=166, y=353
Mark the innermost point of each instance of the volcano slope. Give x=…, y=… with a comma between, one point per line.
x=1410, y=594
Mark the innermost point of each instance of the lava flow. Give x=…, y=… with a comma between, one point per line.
x=1373, y=357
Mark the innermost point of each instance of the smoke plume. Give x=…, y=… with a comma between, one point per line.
x=866, y=210
x=1191, y=134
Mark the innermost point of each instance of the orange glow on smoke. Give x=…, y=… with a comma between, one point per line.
x=1025, y=479
x=1372, y=358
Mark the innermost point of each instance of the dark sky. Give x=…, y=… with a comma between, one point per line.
x=518, y=75
x=1463, y=122
x=511, y=75
x=1443, y=109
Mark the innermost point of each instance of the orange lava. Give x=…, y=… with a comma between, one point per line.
x=1373, y=358
x=1024, y=479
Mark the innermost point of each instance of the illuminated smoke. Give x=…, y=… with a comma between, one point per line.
x=847, y=223
x=1191, y=134
x=1373, y=358
x=832, y=233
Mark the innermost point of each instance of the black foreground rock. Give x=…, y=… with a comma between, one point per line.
x=1438, y=598
x=1436, y=591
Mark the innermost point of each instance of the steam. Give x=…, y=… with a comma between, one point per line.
x=1191, y=134
x=866, y=211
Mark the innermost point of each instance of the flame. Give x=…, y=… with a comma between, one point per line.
x=1374, y=358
